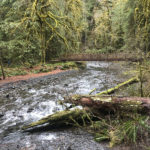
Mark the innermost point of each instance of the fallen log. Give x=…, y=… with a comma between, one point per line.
x=97, y=105
x=62, y=118
x=112, y=90
x=109, y=103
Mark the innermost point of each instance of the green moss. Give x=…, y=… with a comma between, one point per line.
x=76, y=97
x=109, y=91
x=103, y=99
x=59, y=118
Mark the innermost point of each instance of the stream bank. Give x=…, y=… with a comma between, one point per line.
x=15, y=74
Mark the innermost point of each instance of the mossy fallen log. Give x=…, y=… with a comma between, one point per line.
x=122, y=107
x=112, y=90
x=109, y=103
x=66, y=117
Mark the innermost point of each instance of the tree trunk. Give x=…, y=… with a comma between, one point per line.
x=43, y=46
x=1, y=64
x=112, y=90
x=108, y=103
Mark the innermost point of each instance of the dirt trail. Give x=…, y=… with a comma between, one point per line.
x=28, y=76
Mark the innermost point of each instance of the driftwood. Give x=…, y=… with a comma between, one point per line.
x=59, y=119
x=112, y=90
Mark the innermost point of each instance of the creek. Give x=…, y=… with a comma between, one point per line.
x=27, y=101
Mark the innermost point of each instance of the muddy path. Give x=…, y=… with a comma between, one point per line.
x=26, y=101
x=28, y=76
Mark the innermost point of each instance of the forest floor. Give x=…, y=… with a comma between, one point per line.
x=14, y=74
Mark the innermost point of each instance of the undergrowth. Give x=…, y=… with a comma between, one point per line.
x=123, y=128
x=28, y=69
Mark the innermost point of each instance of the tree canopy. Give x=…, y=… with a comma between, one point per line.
x=37, y=30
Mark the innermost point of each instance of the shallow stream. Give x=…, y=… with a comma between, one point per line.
x=27, y=101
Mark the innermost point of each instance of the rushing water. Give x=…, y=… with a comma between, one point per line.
x=27, y=101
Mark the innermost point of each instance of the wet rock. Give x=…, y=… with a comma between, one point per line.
x=20, y=116
x=55, y=109
x=65, y=85
x=7, y=96
x=56, y=78
x=32, y=147
x=1, y=114
x=30, y=110
x=69, y=148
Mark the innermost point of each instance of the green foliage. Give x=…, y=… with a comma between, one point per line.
x=28, y=68
x=121, y=24
x=14, y=43
x=31, y=31
x=14, y=72
x=128, y=128
x=142, y=12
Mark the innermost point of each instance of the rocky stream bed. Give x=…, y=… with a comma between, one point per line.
x=26, y=101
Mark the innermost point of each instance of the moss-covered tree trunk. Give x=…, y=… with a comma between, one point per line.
x=59, y=119
x=107, y=104
x=1, y=64
x=117, y=87
x=43, y=46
